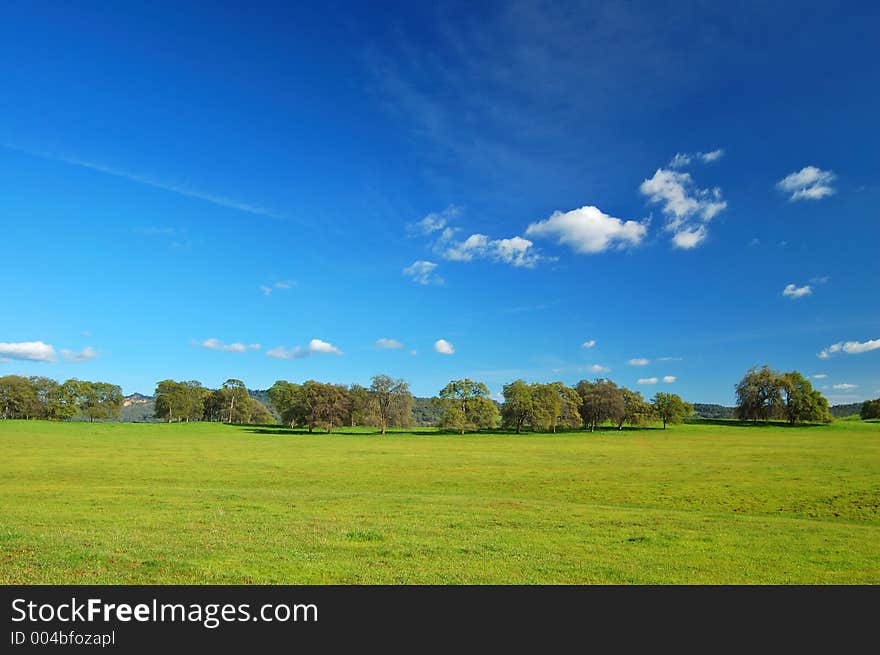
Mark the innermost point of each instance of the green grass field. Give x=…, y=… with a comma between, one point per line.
x=206, y=503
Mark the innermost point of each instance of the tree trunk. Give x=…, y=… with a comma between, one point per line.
x=664, y=424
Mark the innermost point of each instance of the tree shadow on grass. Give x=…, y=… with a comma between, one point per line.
x=738, y=423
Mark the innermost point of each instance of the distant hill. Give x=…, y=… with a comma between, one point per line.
x=838, y=411
x=138, y=408
x=708, y=410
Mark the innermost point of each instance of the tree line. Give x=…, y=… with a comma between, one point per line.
x=463, y=405
x=43, y=398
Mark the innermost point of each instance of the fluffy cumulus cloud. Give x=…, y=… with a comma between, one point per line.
x=83, y=355
x=844, y=386
x=647, y=380
x=422, y=272
x=687, y=208
x=809, y=183
x=316, y=346
x=850, y=348
x=794, y=292
x=34, y=351
x=216, y=344
x=588, y=344
x=388, y=344
x=588, y=230
x=443, y=347
x=598, y=368
x=639, y=361
x=515, y=251
x=682, y=159
x=669, y=379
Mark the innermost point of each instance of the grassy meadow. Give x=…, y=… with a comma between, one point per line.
x=199, y=503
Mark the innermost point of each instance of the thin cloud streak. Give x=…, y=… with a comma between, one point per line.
x=214, y=199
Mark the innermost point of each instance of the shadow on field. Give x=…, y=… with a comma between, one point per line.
x=737, y=423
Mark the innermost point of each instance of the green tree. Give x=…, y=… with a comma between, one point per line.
x=18, y=398
x=670, y=408
x=601, y=401
x=800, y=402
x=235, y=394
x=100, y=400
x=393, y=402
x=518, y=405
x=635, y=410
x=284, y=397
x=759, y=395
x=361, y=406
x=870, y=409
x=467, y=406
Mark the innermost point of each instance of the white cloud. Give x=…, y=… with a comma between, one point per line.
x=682, y=159
x=216, y=344
x=639, y=361
x=844, y=386
x=434, y=222
x=588, y=344
x=84, y=355
x=598, y=368
x=388, y=344
x=820, y=279
x=588, y=230
x=809, y=183
x=318, y=346
x=422, y=272
x=689, y=238
x=670, y=359
x=515, y=251
x=283, y=284
x=35, y=351
x=850, y=348
x=795, y=292
x=669, y=379
x=647, y=381
x=297, y=352
x=443, y=347
x=820, y=376
x=683, y=203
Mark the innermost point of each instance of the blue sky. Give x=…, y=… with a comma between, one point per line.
x=264, y=192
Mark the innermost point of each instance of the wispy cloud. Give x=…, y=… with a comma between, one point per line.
x=639, y=361
x=683, y=159
x=647, y=381
x=669, y=379
x=844, y=386
x=216, y=344
x=434, y=222
x=850, y=348
x=422, y=272
x=315, y=346
x=794, y=292
x=388, y=344
x=179, y=189
x=588, y=344
x=283, y=285
x=809, y=183
x=34, y=351
x=84, y=355
x=598, y=368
